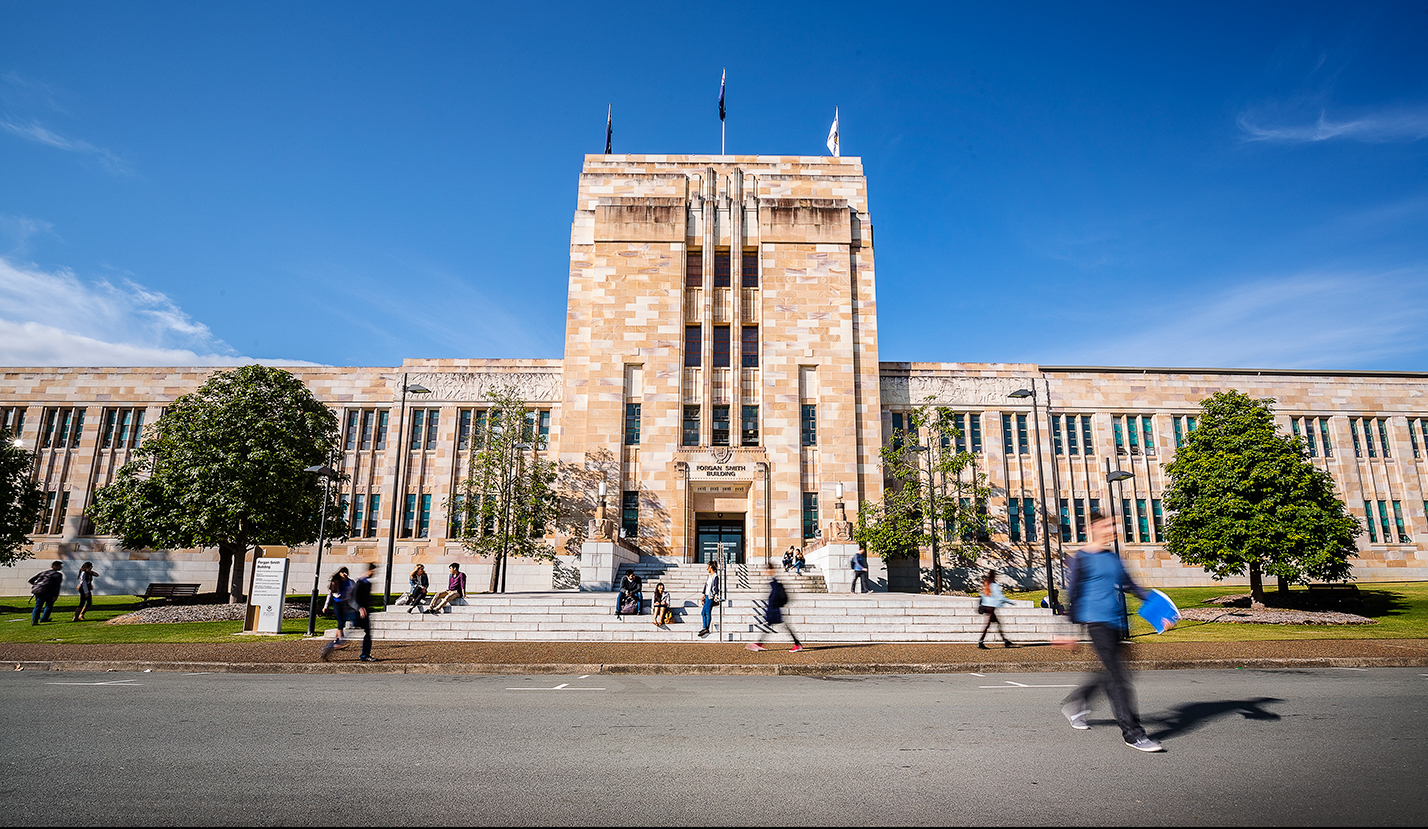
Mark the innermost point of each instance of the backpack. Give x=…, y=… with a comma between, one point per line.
x=43, y=583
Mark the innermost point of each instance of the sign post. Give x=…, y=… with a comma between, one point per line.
x=270, y=588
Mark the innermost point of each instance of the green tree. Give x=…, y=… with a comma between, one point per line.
x=926, y=474
x=224, y=466
x=20, y=500
x=507, y=501
x=1244, y=496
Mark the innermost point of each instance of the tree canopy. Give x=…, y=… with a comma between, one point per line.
x=507, y=501
x=20, y=500
x=224, y=466
x=1244, y=497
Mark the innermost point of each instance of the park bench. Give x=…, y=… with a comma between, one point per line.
x=1347, y=594
x=168, y=590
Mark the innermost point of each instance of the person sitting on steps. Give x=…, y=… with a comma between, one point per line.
x=455, y=589
x=659, y=606
x=419, y=584
x=632, y=593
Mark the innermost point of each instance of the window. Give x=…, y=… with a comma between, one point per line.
x=1074, y=439
x=62, y=428
x=408, y=515
x=808, y=424
x=1398, y=523
x=630, y=514
x=1014, y=519
x=1126, y=520
x=358, y=503
x=424, y=520
x=479, y=427
x=1383, y=520
x=458, y=514
x=1080, y=519
x=749, y=426
x=431, y=416
x=543, y=429
x=721, y=268
x=1354, y=433
x=1132, y=432
x=463, y=430
x=1368, y=514
x=632, y=424
x=12, y=418
x=749, y=347
x=1142, y=521
x=1087, y=447
x=1147, y=432
x=352, y=430
x=749, y=273
x=694, y=269
x=1183, y=425
x=1071, y=448
x=689, y=436
x=1418, y=427
x=974, y=424
x=1383, y=436
x=693, y=345
x=721, y=346
x=374, y=509
x=1021, y=519
x=367, y=422
x=810, y=515
x=1056, y=447
x=898, y=430
x=719, y=431
x=418, y=415
x=1021, y=441
x=1158, y=519
x=122, y=427
x=1007, y=435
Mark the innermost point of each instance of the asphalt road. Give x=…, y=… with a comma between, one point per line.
x=1322, y=746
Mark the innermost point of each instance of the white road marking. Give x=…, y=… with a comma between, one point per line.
x=587, y=676
x=1020, y=685
x=200, y=673
x=124, y=682
x=564, y=686
x=1350, y=669
x=983, y=676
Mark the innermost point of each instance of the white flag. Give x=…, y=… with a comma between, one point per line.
x=833, y=134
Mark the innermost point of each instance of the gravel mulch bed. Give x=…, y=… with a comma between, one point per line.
x=1273, y=616
x=197, y=613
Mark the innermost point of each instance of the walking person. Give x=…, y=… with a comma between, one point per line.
x=339, y=593
x=860, y=572
x=992, y=598
x=86, y=590
x=1095, y=582
x=362, y=597
x=773, y=615
x=418, y=583
x=710, y=596
x=45, y=587
x=455, y=589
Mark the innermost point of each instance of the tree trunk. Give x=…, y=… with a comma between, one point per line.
x=1256, y=585
x=225, y=565
x=235, y=586
x=1283, y=589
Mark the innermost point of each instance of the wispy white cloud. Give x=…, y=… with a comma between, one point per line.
x=1339, y=320
x=1402, y=125
x=18, y=90
x=33, y=131
x=103, y=324
x=16, y=231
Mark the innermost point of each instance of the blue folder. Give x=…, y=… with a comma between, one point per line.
x=1160, y=611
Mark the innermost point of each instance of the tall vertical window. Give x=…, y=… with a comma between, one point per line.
x=1398, y=523
x=1178, y=430
x=1056, y=445
x=1119, y=434
x=1147, y=431
x=1087, y=447
x=720, y=354
x=1080, y=519
x=808, y=424
x=367, y=423
x=1028, y=512
x=1416, y=427
x=1014, y=519
x=1126, y=519
x=1368, y=514
x=721, y=269
x=689, y=435
x=353, y=430
x=1065, y=520
x=898, y=430
x=1071, y=443
x=478, y=428
x=974, y=426
x=463, y=430
x=719, y=425
x=959, y=422
x=1142, y=521
x=1383, y=521
x=694, y=270
x=120, y=428
x=1324, y=437
x=62, y=428
x=1007, y=448
x=543, y=429
x=12, y=418
x=693, y=346
x=749, y=347
x=374, y=509
x=418, y=417
x=424, y=519
x=630, y=513
x=749, y=273
x=431, y=417
x=1383, y=436
x=408, y=515
x=810, y=515
x=457, y=518
x=1021, y=441
x=632, y=424
x=47, y=514
x=1354, y=433
x=1158, y=518
x=749, y=426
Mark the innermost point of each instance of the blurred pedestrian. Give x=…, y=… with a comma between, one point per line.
x=992, y=598
x=362, y=597
x=339, y=598
x=860, y=572
x=773, y=615
x=45, y=587
x=86, y=590
x=1095, y=582
x=710, y=595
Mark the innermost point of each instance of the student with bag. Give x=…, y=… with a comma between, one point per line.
x=45, y=587
x=773, y=615
x=992, y=598
x=659, y=605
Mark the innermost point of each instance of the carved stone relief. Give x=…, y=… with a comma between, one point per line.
x=532, y=386
x=950, y=391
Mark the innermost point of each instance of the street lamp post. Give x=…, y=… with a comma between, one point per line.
x=327, y=473
x=1040, y=493
x=1115, y=477
x=397, y=492
x=931, y=517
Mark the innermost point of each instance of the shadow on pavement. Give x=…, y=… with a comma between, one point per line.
x=1192, y=715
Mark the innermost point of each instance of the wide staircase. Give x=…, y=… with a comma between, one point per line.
x=815, y=614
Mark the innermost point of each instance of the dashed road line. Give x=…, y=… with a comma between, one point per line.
x=1011, y=684
x=127, y=683
x=564, y=686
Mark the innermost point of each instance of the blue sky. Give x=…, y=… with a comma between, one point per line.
x=352, y=184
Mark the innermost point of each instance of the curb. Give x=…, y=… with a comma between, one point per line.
x=870, y=669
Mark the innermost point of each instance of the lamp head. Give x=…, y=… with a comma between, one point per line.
x=602, y=489
x=1020, y=393
x=838, y=489
x=1120, y=475
x=417, y=388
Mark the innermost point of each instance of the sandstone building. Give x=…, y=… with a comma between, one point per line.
x=721, y=375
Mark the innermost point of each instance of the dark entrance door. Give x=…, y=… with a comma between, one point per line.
x=720, y=540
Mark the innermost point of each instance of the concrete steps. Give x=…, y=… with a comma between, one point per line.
x=688, y=579
x=817, y=617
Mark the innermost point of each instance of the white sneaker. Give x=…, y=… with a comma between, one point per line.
x=1076, y=713
x=754, y=646
x=1145, y=744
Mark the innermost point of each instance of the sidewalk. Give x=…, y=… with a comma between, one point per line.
x=701, y=658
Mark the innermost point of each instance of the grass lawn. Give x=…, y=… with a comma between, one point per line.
x=15, y=624
x=1400, y=608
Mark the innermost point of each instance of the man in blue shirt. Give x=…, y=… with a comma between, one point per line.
x=1095, y=580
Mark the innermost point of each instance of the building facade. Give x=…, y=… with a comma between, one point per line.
x=721, y=377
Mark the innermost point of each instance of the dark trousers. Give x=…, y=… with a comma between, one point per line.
x=1114, y=680
x=991, y=614
x=43, y=606
x=364, y=622
x=859, y=575
x=85, y=600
